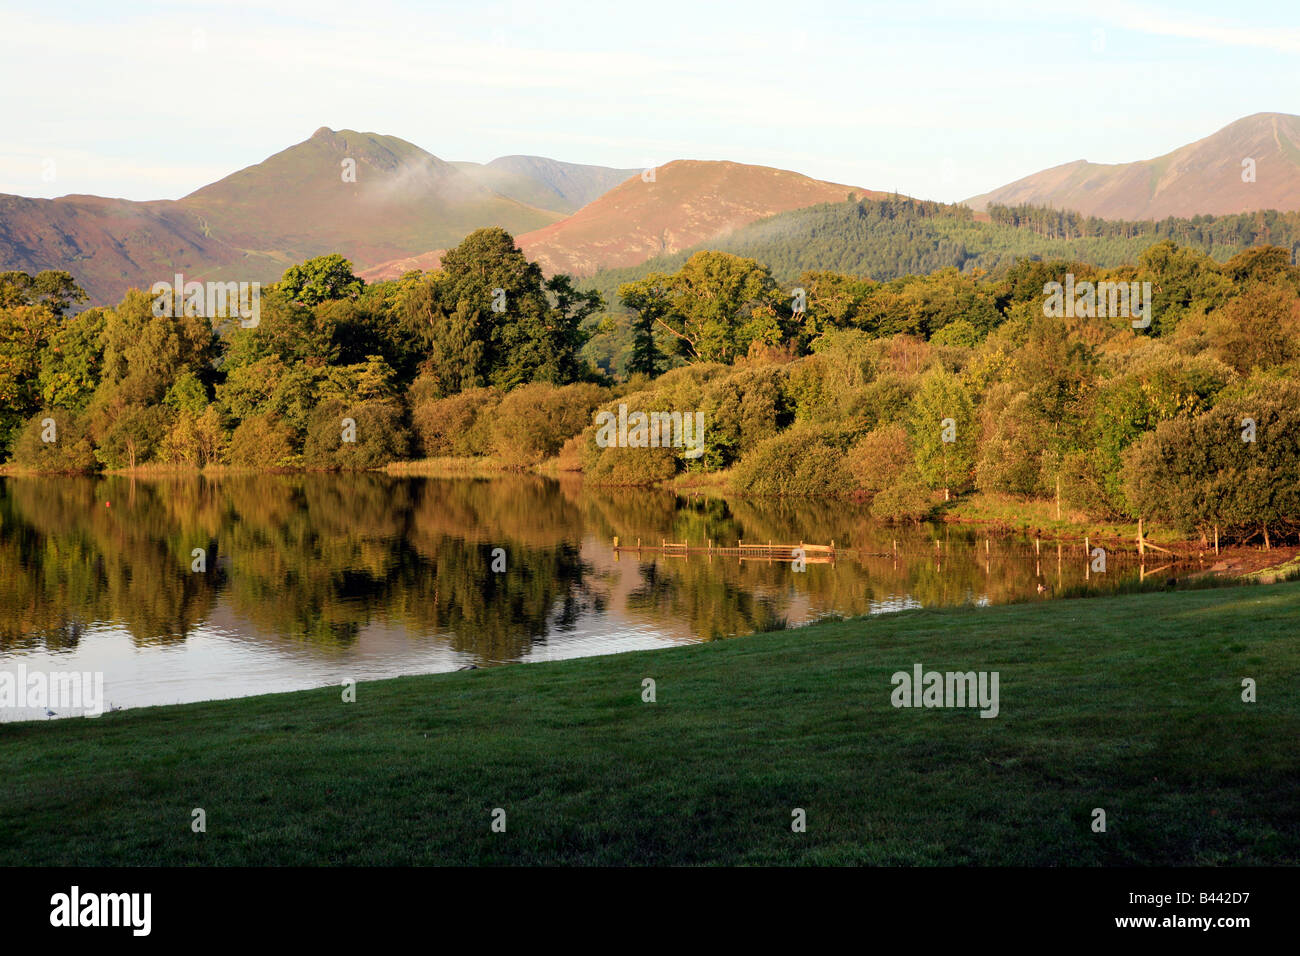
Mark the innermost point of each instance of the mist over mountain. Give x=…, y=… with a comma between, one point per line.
x=391, y=206
x=546, y=183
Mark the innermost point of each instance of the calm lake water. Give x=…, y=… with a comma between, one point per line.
x=314, y=579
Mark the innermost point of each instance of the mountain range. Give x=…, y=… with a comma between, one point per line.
x=390, y=206
x=1248, y=165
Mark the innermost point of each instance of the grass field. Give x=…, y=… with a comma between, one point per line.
x=1131, y=704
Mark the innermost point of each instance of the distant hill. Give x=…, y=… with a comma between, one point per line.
x=256, y=222
x=686, y=202
x=546, y=183
x=679, y=205
x=110, y=245
x=898, y=236
x=404, y=200
x=1201, y=178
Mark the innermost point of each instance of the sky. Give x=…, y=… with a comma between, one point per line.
x=939, y=100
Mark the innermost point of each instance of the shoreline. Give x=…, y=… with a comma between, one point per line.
x=1000, y=515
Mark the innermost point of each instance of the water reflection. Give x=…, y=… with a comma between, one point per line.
x=314, y=578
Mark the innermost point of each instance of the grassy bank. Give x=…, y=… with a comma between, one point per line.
x=1131, y=704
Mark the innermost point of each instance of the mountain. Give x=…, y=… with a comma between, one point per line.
x=110, y=245
x=546, y=183
x=677, y=206
x=1201, y=178
x=686, y=202
x=403, y=200
x=254, y=223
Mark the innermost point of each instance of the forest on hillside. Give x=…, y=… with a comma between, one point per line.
x=897, y=237
x=900, y=393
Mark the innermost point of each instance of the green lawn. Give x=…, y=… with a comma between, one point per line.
x=1132, y=704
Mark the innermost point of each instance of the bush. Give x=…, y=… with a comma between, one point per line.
x=880, y=459
x=907, y=500
x=457, y=425
x=742, y=410
x=625, y=466
x=378, y=435
x=262, y=441
x=802, y=461
x=70, y=452
x=532, y=423
x=958, y=332
x=570, y=456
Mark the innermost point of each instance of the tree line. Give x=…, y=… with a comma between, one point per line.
x=901, y=392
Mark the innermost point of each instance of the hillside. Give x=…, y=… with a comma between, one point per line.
x=886, y=239
x=256, y=222
x=1201, y=178
x=404, y=200
x=687, y=202
x=110, y=245
x=546, y=183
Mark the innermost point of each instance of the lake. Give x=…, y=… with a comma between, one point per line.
x=191, y=588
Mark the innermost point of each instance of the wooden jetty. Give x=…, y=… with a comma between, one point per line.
x=828, y=553
x=812, y=553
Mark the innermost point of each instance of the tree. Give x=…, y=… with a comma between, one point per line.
x=943, y=432
x=1259, y=328
x=648, y=301
x=73, y=361
x=718, y=305
x=880, y=459
x=321, y=279
x=488, y=317
x=1236, y=466
x=54, y=289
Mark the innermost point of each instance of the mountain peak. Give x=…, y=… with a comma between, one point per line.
x=1252, y=163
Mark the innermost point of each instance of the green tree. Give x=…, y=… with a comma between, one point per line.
x=943, y=433
x=321, y=279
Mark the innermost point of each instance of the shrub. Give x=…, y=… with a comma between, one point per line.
x=958, y=332
x=802, y=461
x=907, y=500
x=262, y=441
x=625, y=466
x=532, y=423
x=880, y=459
x=741, y=410
x=459, y=424
x=378, y=435
x=70, y=452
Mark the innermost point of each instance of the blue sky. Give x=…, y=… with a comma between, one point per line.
x=936, y=99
